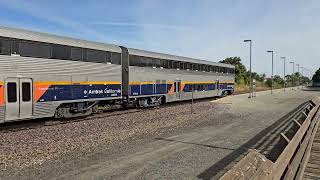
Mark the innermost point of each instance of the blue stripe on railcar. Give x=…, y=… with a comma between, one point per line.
x=161, y=89
x=77, y=92
x=134, y=90
x=148, y=89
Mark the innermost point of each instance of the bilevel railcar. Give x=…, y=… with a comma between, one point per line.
x=157, y=77
x=44, y=75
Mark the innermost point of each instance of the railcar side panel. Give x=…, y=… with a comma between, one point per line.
x=146, y=81
x=63, y=81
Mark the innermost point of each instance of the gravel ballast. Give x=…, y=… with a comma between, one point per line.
x=32, y=147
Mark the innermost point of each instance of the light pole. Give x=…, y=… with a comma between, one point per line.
x=271, y=70
x=284, y=73
x=298, y=76
x=292, y=73
x=302, y=76
x=251, y=88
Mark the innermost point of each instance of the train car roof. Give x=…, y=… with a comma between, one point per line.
x=55, y=39
x=139, y=52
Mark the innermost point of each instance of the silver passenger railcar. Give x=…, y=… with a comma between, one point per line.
x=44, y=75
x=169, y=78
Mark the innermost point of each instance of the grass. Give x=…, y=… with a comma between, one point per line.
x=241, y=88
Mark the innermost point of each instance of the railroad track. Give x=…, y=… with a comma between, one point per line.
x=38, y=123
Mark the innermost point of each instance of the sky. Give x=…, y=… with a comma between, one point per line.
x=204, y=29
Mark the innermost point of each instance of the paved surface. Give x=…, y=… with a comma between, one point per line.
x=202, y=152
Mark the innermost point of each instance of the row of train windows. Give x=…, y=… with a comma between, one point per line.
x=199, y=87
x=169, y=64
x=54, y=51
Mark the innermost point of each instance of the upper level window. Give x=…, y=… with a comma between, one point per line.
x=34, y=49
x=187, y=65
x=163, y=63
x=4, y=46
x=15, y=43
x=61, y=52
x=156, y=62
x=181, y=65
x=108, y=57
x=76, y=54
x=134, y=60
x=176, y=65
x=116, y=58
x=170, y=64
x=96, y=56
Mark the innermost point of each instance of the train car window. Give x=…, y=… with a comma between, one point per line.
x=158, y=62
x=12, y=92
x=96, y=56
x=217, y=70
x=26, y=92
x=176, y=64
x=149, y=62
x=170, y=64
x=15, y=46
x=143, y=61
x=5, y=46
x=61, y=52
x=154, y=62
x=203, y=67
x=187, y=65
x=84, y=54
x=76, y=54
x=34, y=49
x=116, y=58
x=195, y=67
x=163, y=63
x=134, y=60
x=108, y=57
x=181, y=65
x=210, y=68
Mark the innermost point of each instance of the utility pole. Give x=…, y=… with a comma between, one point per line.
x=298, y=76
x=301, y=76
x=292, y=74
x=284, y=73
x=251, y=87
x=271, y=70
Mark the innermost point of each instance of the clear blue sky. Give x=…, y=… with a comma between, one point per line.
x=207, y=29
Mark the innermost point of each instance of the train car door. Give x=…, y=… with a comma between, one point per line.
x=177, y=89
x=25, y=97
x=18, y=98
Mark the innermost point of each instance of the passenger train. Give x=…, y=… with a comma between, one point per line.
x=44, y=75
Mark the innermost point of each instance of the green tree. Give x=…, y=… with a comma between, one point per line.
x=278, y=79
x=316, y=77
x=240, y=69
